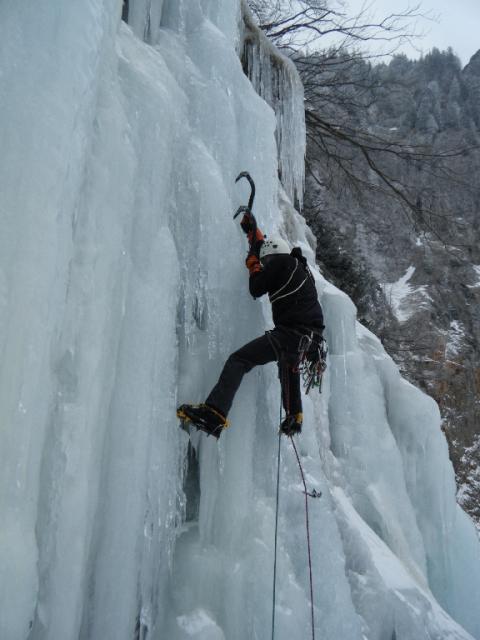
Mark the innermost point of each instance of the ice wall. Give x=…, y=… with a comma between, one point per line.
x=122, y=290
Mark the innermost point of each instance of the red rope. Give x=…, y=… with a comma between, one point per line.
x=276, y=532
x=308, y=536
x=285, y=386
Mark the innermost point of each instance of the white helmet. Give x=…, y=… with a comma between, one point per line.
x=273, y=245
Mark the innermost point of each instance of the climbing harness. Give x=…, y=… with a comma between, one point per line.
x=311, y=360
x=312, y=348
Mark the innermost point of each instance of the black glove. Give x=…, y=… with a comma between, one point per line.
x=255, y=248
x=247, y=224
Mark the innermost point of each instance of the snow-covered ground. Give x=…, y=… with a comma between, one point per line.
x=476, y=269
x=122, y=291
x=403, y=297
x=456, y=335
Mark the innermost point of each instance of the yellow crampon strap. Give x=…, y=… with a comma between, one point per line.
x=183, y=416
x=226, y=423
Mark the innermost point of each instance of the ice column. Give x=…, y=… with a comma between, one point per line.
x=276, y=80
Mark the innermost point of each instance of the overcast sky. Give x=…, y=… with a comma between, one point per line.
x=457, y=25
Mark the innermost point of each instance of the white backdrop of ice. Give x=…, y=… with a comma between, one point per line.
x=122, y=291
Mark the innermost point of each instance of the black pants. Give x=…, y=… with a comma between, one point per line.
x=280, y=345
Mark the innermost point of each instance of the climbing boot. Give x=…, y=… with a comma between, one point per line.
x=292, y=424
x=204, y=417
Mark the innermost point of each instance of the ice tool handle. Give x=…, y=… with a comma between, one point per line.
x=248, y=209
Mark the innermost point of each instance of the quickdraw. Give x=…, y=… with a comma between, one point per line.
x=312, y=369
x=312, y=363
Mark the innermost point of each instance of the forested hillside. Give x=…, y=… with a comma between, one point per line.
x=393, y=196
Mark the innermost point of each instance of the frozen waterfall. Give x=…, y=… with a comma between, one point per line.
x=122, y=291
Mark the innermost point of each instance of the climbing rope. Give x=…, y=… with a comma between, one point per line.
x=276, y=534
x=313, y=495
x=283, y=375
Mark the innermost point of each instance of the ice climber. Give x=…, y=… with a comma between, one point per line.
x=298, y=320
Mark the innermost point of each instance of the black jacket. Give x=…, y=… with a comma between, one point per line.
x=291, y=289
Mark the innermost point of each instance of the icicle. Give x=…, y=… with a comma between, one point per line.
x=276, y=80
x=144, y=18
